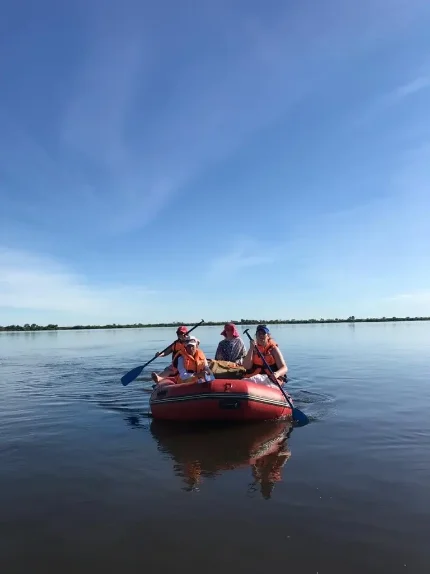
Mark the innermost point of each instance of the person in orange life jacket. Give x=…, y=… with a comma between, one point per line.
x=270, y=351
x=191, y=364
x=174, y=348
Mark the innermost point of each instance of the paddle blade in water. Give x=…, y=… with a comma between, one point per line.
x=299, y=417
x=131, y=375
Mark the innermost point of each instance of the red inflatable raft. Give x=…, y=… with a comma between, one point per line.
x=218, y=400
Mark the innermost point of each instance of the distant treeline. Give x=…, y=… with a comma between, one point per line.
x=351, y=319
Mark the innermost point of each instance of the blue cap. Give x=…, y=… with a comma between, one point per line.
x=262, y=328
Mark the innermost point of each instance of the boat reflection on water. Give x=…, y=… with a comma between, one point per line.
x=205, y=451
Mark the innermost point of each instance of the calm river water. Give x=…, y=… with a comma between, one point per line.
x=89, y=483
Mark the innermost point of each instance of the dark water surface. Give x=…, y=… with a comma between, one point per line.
x=89, y=483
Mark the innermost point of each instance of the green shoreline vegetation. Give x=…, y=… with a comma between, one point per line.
x=51, y=327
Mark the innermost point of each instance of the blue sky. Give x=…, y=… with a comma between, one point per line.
x=178, y=161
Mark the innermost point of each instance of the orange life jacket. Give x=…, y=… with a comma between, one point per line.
x=177, y=347
x=192, y=363
x=258, y=367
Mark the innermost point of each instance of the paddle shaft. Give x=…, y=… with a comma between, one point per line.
x=269, y=370
x=167, y=348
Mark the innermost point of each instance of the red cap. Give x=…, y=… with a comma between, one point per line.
x=182, y=329
x=232, y=327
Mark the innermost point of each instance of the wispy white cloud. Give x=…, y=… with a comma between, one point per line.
x=97, y=113
x=214, y=102
x=410, y=88
x=244, y=253
x=416, y=297
x=37, y=283
x=393, y=97
x=150, y=109
x=213, y=105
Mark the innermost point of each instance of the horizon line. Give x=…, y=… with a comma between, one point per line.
x=27, y=327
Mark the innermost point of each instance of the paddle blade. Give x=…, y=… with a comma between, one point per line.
x=299, y=417
x=131, y=375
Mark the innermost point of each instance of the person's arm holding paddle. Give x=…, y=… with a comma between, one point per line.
x=166, y=352
x=280, y=363
x=270, y=349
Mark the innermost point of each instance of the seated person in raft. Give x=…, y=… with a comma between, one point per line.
x=232, y=347
x=174, y=348
x=268, y=347
x=191, y=364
